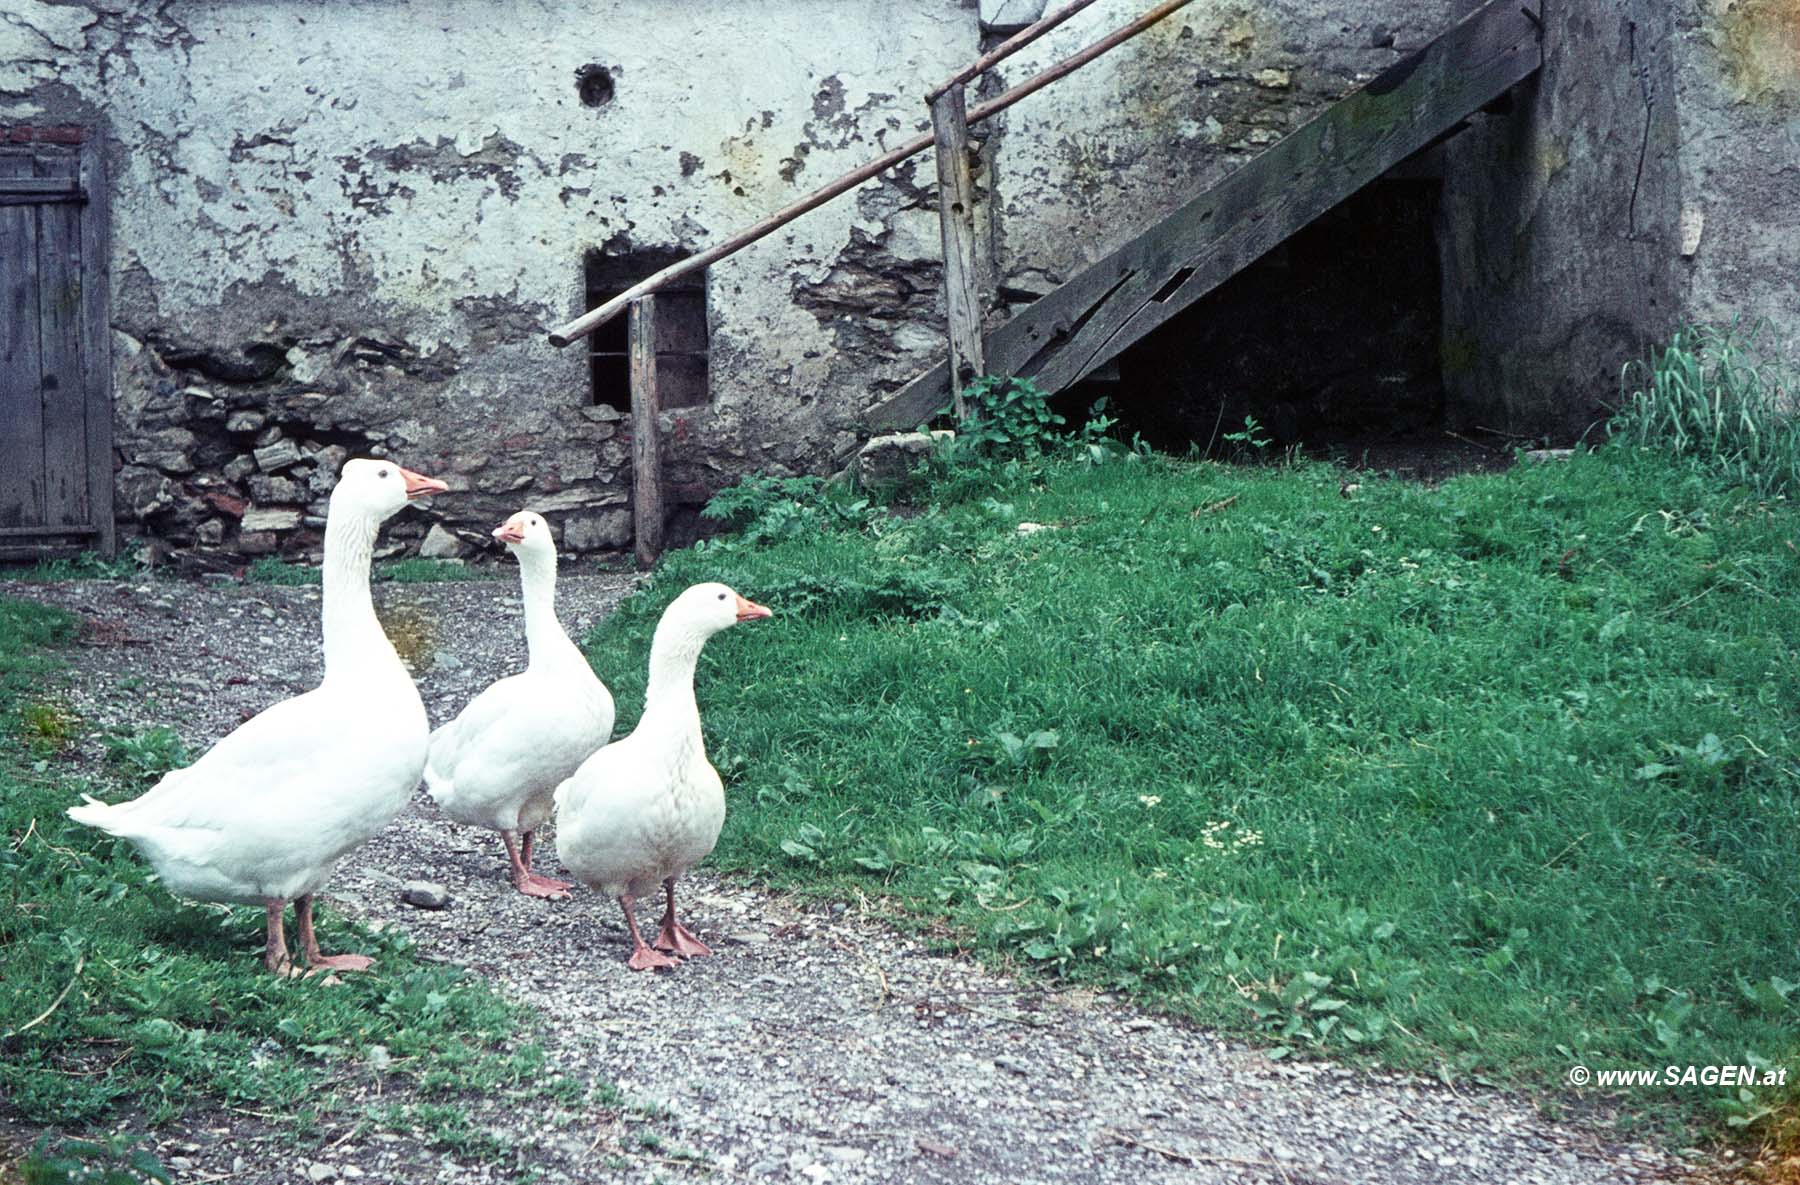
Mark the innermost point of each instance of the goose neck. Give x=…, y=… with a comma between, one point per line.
x=353, y=634
x=674, y=655
x=544, y=636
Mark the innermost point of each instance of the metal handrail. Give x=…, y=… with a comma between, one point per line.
x=1007, y=48
x=588, y=322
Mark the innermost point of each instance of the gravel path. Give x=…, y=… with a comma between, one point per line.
x=819, y=1045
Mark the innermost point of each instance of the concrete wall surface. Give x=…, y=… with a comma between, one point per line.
x=1737, y=100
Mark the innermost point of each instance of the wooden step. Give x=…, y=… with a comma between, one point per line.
x=1070, y=331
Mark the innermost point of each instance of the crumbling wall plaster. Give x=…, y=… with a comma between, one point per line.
x=349, y=226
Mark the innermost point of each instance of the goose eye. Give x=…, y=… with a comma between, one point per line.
x=721, y=596
x=381, y=473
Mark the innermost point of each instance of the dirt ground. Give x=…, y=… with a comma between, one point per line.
x=819, y=1045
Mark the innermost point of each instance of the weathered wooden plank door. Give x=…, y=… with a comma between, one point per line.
x=55, y=363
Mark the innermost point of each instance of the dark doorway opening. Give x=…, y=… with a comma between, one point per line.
x=1330, y=343
x=681, y=331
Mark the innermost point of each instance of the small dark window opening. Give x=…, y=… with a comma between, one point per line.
x=681, y=331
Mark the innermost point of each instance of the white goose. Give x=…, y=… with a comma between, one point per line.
x=645, y=809
x=497, y=764
x=268, y=812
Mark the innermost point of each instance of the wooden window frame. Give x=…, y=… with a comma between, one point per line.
x=683, y=335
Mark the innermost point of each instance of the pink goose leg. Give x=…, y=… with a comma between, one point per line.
x=527, y=881
x=642, y=957
x=275, y=954
x=309, y=944
x=674, y=935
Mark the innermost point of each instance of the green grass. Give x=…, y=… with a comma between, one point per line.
x=119, y=1003
x=1486, y=779
x=411, y=570
x=115, y=1160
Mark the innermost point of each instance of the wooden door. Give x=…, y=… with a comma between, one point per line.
x=55, y=356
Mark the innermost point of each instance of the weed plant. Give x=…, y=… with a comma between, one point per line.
x=1006, y=418
x=88, y=565
x=1719, y=395
x=1489, y=778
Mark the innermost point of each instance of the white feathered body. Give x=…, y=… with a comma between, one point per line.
x=639, y=811
x=499, y=762
x=269, y=811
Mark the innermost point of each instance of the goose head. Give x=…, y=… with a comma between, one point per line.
x=705, y=609
x=526, y=533
x=376, y=489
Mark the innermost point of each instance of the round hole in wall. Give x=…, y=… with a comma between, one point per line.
x=594, y=83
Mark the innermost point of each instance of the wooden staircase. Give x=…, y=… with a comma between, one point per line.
x=1074, y=329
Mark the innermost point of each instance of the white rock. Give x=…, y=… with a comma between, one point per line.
x=440, y=544
x=270, y=518
x=889, y=459
x=425, y=895
x=277, y=455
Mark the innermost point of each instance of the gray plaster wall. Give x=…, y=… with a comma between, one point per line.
x=1560, y=226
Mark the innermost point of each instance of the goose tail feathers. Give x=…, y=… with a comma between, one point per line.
x=94, y=813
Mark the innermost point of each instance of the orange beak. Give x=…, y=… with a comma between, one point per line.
x=420, y=486
x=509, y=532
x=750, y=610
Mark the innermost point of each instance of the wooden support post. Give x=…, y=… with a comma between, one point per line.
x=646, y=447
x=956, y=219
x=96, y=338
